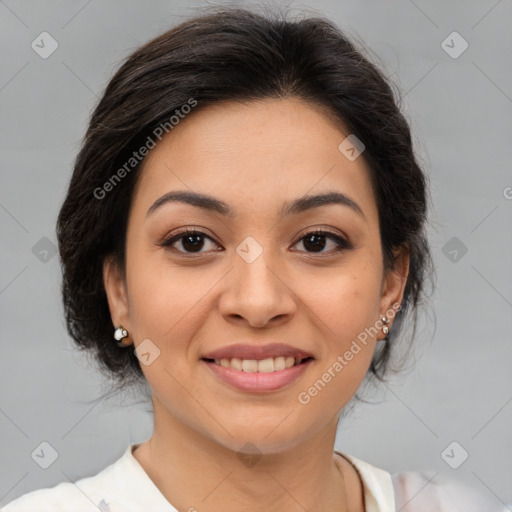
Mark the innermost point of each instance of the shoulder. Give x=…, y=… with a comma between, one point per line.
x=52, y=499
x=426, y=491
x=416, y=491
x=89, y=494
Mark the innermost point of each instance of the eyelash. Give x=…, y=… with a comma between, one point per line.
x=342, y=244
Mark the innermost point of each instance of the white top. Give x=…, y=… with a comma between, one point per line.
x=124, y=486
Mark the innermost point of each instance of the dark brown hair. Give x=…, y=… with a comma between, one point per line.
x=240, y=55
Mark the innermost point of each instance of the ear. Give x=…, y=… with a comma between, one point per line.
x=117, y=295
x=394, y=281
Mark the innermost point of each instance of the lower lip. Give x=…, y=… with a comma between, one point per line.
x=258, y=381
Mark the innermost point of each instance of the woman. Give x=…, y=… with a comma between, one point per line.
x=244, y=230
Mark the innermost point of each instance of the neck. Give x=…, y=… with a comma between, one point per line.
x=194, y=472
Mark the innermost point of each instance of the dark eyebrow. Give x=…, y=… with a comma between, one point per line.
x=308, y=202
x=299, y=205
x=195, y=199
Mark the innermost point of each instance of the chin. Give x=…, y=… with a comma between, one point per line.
x=265, y=437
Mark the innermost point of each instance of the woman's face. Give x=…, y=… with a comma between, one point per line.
x=252, y=273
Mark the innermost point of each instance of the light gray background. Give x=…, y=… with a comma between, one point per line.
x=460, y=110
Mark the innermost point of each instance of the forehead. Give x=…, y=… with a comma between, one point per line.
x=253, y=155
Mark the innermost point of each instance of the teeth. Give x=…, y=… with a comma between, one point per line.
x=235, y=363
x=249, y=365
x=272, y=364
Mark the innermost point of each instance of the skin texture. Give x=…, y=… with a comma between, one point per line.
x=255, y=157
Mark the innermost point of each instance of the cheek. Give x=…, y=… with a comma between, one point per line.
x=347, y=302
x=347, y=306
x=348, y=349
x=169, y=304
x=167, y=307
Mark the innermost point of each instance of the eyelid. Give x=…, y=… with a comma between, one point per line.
x=184, y=230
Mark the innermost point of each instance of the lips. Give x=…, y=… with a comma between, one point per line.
x=257, y=352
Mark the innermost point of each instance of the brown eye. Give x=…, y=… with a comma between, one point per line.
x=317, y=241
x=188, y=242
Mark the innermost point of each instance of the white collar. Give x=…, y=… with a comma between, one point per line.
x=379, y=495
x=131, y=479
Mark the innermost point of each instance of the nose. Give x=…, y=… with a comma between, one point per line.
x=256, y=294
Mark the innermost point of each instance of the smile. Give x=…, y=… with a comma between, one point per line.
x=269, y=365
x=265, y=375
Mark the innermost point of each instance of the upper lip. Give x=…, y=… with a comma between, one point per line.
x=257, y=352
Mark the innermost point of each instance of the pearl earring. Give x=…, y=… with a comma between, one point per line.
x=385, y=327
x=119, y=335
